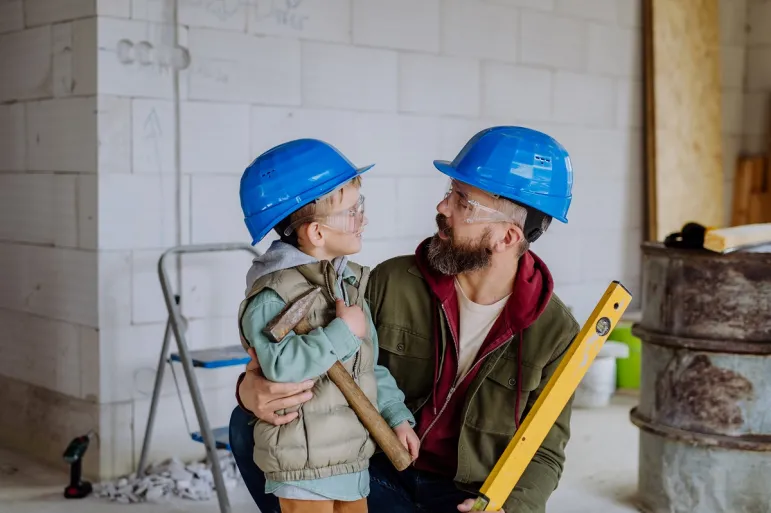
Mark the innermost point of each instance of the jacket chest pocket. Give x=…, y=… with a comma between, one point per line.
x=410, y=359
x=494, y=407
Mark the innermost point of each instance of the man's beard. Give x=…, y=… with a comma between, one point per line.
x=451, y=257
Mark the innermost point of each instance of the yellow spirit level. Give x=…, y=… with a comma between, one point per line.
x=531, y=433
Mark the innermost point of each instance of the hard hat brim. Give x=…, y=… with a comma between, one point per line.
x=446, y=168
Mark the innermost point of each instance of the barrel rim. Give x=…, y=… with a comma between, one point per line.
x=756, y=443
x=658, y=338
x=658, y=248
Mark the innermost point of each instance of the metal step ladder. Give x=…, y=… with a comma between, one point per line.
x=214, y=358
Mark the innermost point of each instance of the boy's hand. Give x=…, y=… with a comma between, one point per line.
x=408, y=438
x=353, y=316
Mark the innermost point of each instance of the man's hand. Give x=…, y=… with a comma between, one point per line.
x=263, y=398
x=408, y=438
x=353, y=316
x=469, y=503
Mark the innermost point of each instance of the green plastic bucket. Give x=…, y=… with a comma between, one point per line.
x=627, y=369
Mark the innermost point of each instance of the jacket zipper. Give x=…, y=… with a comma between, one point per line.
x=455, y=384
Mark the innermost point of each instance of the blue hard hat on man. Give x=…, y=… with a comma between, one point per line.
x=523, y=165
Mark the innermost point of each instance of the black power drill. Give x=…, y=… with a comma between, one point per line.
x=73, y=454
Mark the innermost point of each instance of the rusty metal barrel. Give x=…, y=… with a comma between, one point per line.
x=705, y=393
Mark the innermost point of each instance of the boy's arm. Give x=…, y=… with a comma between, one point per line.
x=297, y=357
x=390, y=399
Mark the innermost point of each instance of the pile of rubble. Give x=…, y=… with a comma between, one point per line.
x=172, y=477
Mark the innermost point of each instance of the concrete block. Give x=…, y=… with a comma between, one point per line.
x=399, y=24
x=11, y=15
x=615, y=51
x=550, y=40
x=114, y=123
x=89, y=363
x=755, y=143
x=734, y=16
x=61, y=135
x=418, y=198
x=733, y=66
x=381, y=206
x=243, y=68
x=135, y=58
x=13, y=146
x=630, y=13
x=45, y=352
x=114, y=294
x=600, y=10
x=213, y=284
x=321, y=20
x=453, y=135
x=419, y=76
x=733, y=112
x=113, y=8
x=116, y=432
x=756, y=113
x=584, y=99
x=12, y=285
x=216, y=214
x=214, y=138
x=74, y=58
x=42, y=12
x=25, y=58
x=629, y=103
x=619, y=257
x=222, y=14
x=615, y=207
x=542, y=5
x=39, y=209
x=59, y=283
x=158, y=11
x=758, y=18
x=348, y=77
x=599, y=154
x=516, y=92
x=485, y=31
x=152, y=201
x=147, y=303
x=88, y=211
x=376, y=251
x=551, y=248
x=153, y=135
x=397, y=144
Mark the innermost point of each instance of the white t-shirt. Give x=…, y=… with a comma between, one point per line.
x=476, y=321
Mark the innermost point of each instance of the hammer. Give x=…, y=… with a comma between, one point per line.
x=293, y=317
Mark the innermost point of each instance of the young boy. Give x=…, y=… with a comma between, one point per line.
x=309, y=193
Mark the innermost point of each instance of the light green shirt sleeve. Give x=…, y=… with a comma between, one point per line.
x=297, y=357
x=390, y=399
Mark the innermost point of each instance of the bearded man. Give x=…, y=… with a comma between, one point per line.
x=470, y=329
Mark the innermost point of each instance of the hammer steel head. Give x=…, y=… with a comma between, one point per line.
x=291, y=315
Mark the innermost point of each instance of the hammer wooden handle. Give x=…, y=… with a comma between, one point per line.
x=370, y=417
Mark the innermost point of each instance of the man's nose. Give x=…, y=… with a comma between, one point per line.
x=443, y=208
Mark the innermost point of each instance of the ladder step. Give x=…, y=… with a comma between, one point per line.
x=216, y=357
x=221, y=437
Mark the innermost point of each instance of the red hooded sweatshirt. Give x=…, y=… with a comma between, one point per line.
x=439, y=421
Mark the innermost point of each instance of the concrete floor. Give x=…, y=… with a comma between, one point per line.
x=600, y=475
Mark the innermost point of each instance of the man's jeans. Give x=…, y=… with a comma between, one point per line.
x=410, y=491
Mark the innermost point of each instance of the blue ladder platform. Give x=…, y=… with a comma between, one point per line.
x=216, y=357
x=221, y=437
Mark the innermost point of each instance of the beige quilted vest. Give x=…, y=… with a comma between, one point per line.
x=327, y=438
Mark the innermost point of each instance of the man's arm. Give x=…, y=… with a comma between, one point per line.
x=542, y=475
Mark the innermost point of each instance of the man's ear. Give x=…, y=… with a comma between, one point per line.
x=512, y=236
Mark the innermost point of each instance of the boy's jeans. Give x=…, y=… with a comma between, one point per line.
x=410, y=491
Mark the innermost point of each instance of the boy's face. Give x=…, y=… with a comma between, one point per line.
x=339, y=232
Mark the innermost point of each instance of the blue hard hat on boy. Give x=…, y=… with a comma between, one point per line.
x=289, y=176
x=523, y=165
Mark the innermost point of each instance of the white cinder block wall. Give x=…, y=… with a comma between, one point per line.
x=89, y=150
x=758, y=77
